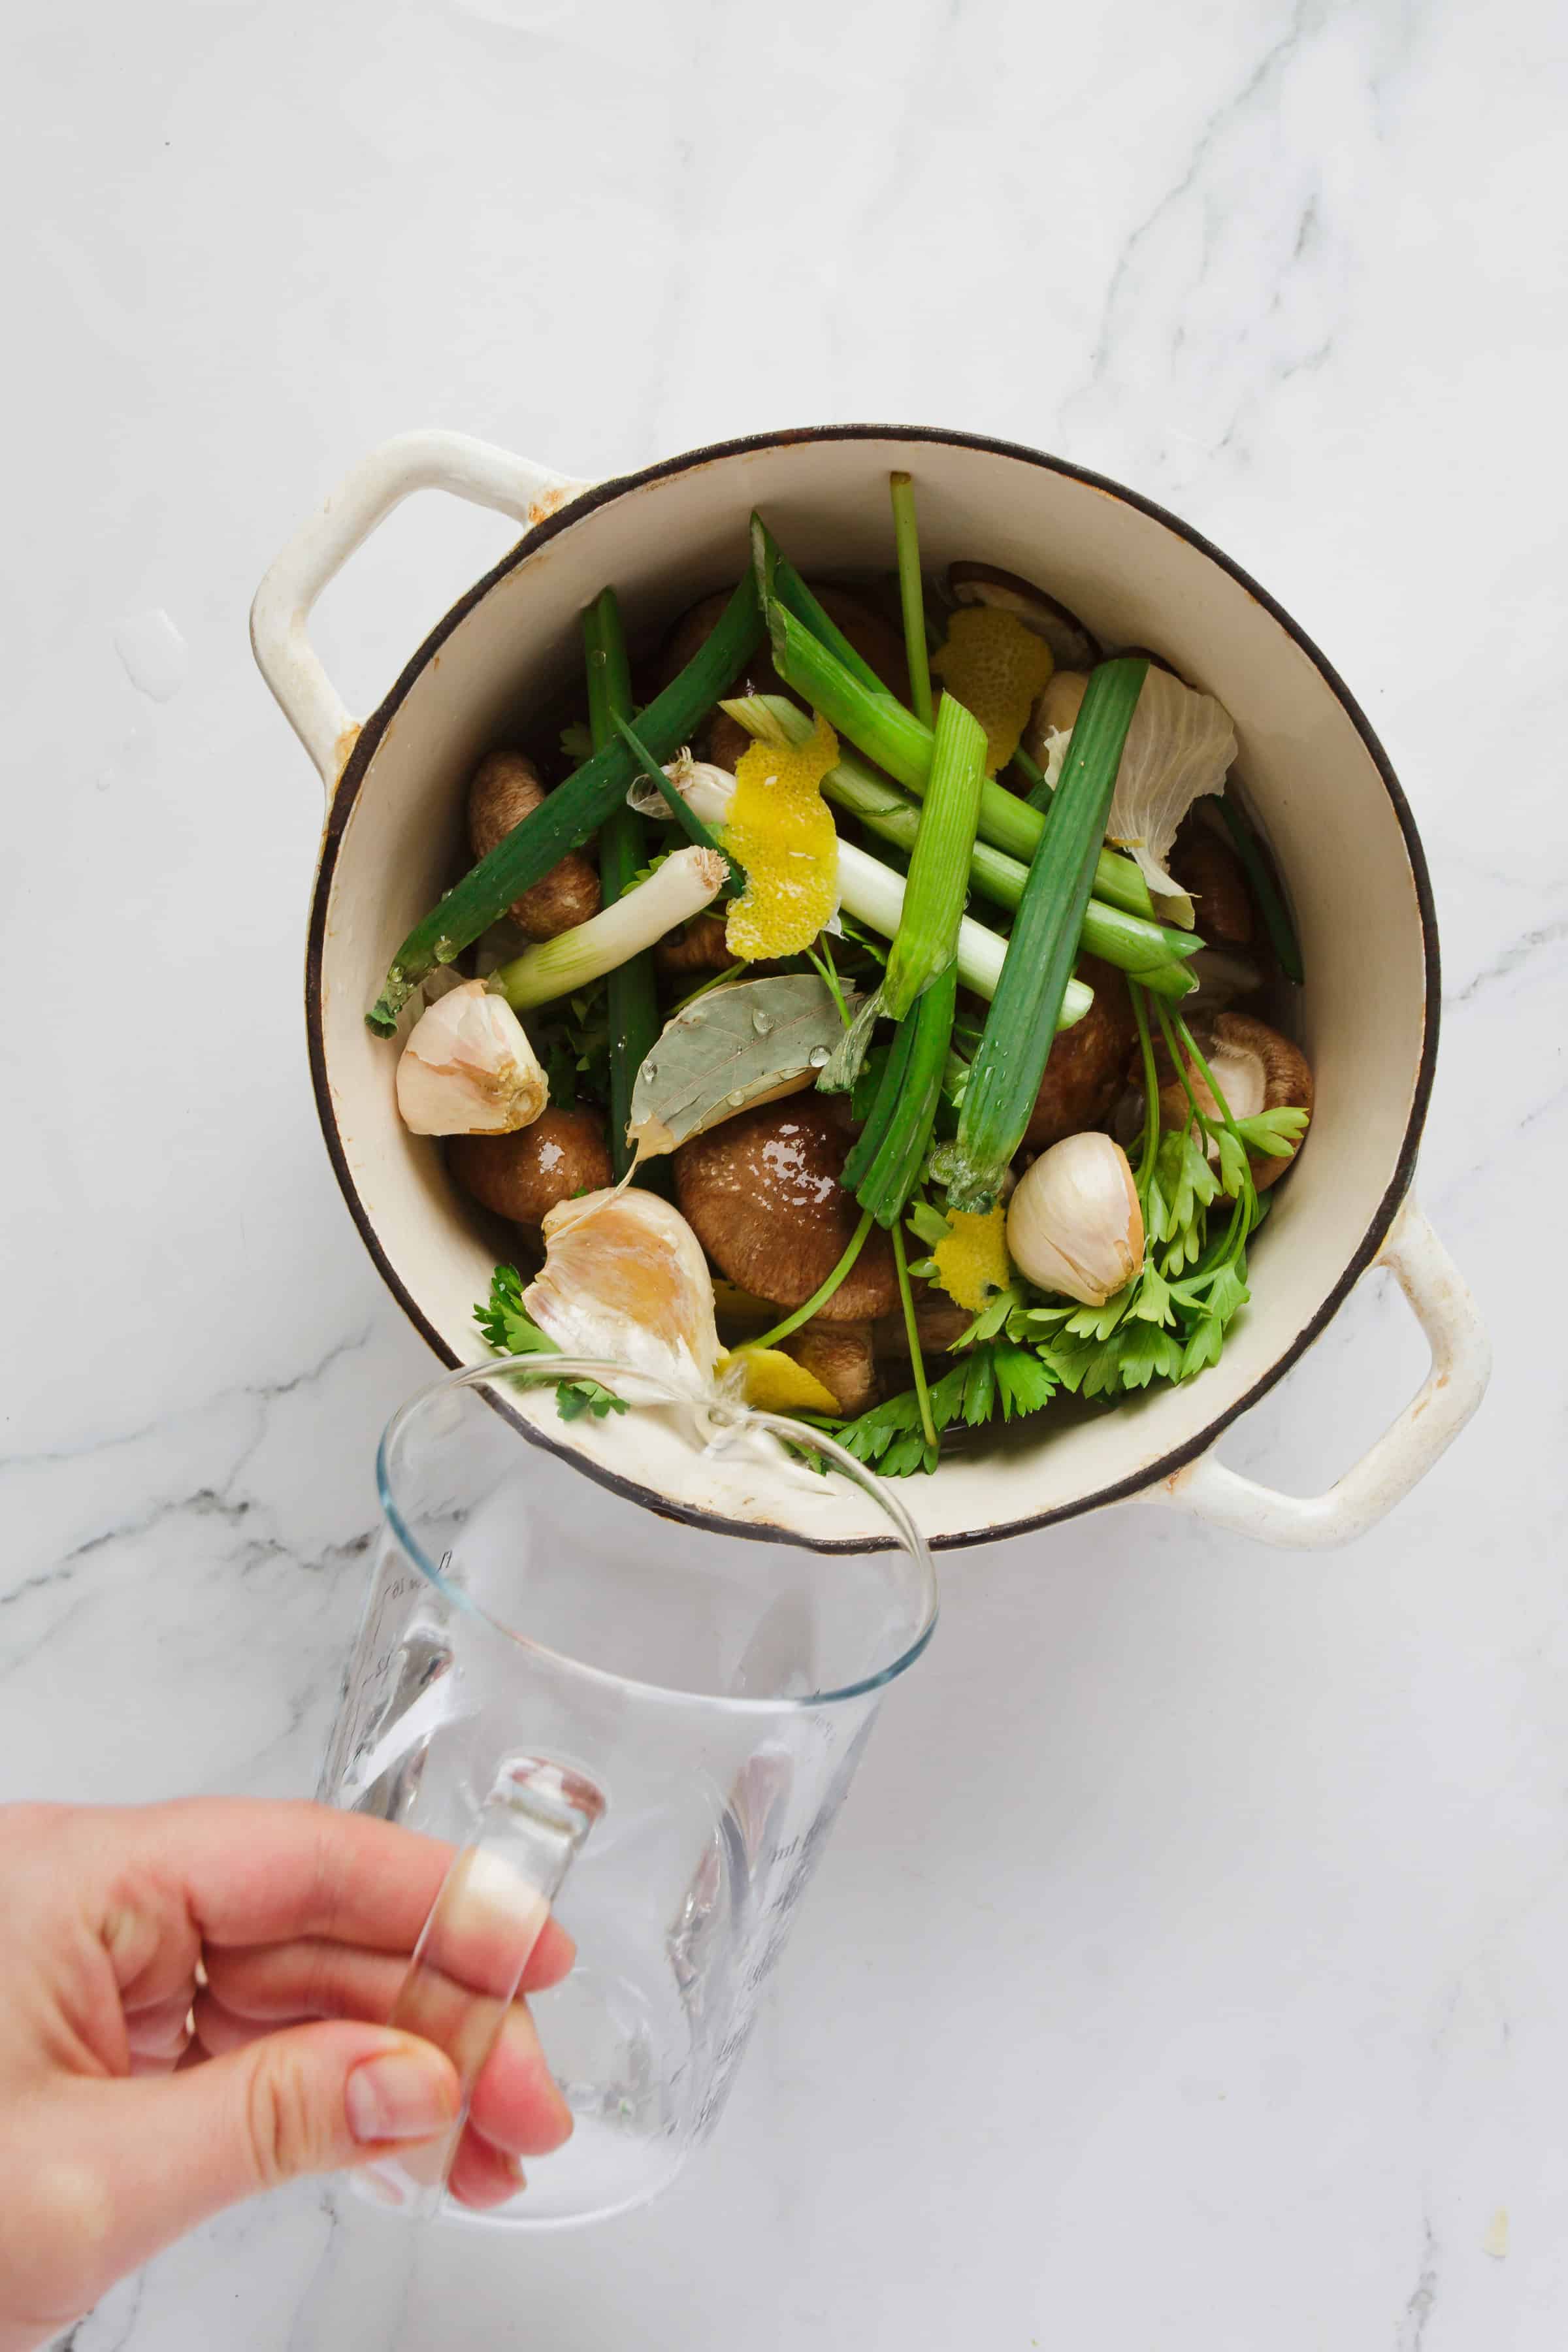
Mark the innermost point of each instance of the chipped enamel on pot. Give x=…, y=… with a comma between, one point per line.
x=1312, y=769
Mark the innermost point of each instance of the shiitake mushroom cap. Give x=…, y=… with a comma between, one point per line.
x=762, y=1193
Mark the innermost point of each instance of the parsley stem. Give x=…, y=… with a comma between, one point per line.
x=685, y=816
x=821, y=1296
x=714, y=980
x=917, y=1365
x=828, y=972
x=1151, y=1093
x=1247, y=1197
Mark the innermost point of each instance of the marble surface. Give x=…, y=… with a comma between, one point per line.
x=1235, y=2017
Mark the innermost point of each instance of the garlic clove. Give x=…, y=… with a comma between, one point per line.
x=468, y=1069
x=625, y=1281
x=1074, y=1224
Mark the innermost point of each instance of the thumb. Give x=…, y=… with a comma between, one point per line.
x=315, y=2098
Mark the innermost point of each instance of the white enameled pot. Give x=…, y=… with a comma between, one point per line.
x=1338, y=821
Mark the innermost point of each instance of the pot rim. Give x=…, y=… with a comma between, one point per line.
x=602, y=494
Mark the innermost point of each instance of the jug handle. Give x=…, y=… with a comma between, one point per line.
x=474, y=1947
x=1395, y=1463
x=279, y=618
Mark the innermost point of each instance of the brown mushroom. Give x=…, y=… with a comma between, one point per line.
x=696, y=946
x=1087, y=1063
x=523, y=1176
x=725, y=741
x=505, y=788
x=1215, y=878
x=1073, y=646
x=840, y=1356
x=762, y=1193
x=1255, y=1068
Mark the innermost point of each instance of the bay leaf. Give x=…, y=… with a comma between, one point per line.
x=732, y=1049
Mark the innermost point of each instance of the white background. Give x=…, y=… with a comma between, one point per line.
x=1188, y=1971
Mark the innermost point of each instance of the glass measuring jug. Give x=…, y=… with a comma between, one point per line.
x=650, y=1722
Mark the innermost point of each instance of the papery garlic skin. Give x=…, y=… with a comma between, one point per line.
x=1075, y=1225
x=625, y=1281
x=468, y=1069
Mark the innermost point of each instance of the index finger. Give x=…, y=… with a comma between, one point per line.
x=257, y=1871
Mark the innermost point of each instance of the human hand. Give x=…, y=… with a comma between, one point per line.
x=119, y=2129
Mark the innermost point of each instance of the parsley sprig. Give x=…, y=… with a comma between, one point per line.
x=511, y=1331
x=999, y=1376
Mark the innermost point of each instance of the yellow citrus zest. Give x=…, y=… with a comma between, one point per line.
x=775, y=1382
x=998, y=669
x=780, y=831
x=971, y=1260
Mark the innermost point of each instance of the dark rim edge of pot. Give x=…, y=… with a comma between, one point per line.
x=1125, y=1490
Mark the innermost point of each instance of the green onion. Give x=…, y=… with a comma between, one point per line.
x=1155, y=951
x=778, y=581
x=1038, y=795
x=630, y=997
x=938, y=869
x=573, y=811
x=689, y=880
x=884, y=1166
x=894, y=739
x=911, y=595
x=1004, y=1077
x=680, y=808
x=820, y=1297
x=1276, y=916
x=874, y=895
x=912, y=1333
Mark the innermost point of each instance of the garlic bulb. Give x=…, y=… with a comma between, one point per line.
x=467, y=1067
x=1074, y=1223
x=625, y=1281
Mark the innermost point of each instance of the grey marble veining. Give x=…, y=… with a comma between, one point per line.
x=1242, y=2022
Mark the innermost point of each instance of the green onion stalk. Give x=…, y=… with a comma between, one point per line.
x=631, y=997
x=919, y=991
x=567, y=817
x=1010, y=1061
x=1276, y=916
x=1151, y=953
x=689, y=880
x=911, y=595
x=874, y=895
x=895, y=740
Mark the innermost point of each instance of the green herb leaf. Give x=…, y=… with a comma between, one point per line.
x=1233, y=1170
x=1276, y=1133
x=1025, y=1381
x=506, y=1323
x=744, y=1041
x=927, y=1224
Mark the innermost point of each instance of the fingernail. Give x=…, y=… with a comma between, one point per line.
x=400, y=2096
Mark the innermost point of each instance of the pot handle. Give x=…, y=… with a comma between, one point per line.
x=1461, y=1364
x=475, y=470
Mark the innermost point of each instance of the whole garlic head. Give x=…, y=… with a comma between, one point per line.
x=468, y=1069
x=1074, y=1223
